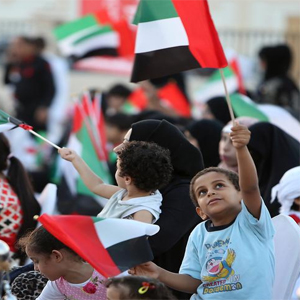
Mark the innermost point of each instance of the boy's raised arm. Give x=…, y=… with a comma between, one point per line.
x=240, y=137
x=94, y=183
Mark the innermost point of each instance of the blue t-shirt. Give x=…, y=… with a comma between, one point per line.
x=234, y=261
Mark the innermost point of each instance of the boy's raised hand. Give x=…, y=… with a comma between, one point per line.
x=240, y=135
x=67, y=154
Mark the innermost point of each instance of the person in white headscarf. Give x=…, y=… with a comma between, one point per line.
x=287, y=192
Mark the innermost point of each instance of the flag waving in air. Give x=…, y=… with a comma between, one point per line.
x=174, y=36
x=111, y=246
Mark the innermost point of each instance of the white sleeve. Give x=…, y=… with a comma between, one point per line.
x=51, y=292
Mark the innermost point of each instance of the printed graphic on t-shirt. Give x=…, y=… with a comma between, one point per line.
x=219, y=267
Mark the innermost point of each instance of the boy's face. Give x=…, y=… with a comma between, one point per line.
x=217, y=198
x=120, y=180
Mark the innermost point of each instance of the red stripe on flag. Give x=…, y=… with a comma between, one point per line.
x=79, y=234
x=203, y=38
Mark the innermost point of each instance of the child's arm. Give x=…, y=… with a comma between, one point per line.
x=180, y=282
x=240, y=137
x=143, y=216
x=90, y=179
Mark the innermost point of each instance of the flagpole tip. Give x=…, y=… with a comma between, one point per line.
x=36, y=217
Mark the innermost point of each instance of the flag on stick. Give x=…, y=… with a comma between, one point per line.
x=8, y=122
x=174, y=36
x=111, y=246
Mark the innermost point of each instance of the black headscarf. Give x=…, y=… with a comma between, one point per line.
x=278, y=60
x=219, y=108
x=274, y=152
x=186, y=159
x=208, y=135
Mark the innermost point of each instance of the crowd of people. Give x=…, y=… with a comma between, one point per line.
x=211, y=184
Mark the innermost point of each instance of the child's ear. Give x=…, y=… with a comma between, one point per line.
x=201, y=214
x=128, y=180
x=56, y=255
x=297, y=201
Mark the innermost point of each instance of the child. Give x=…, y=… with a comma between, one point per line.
x=287, y=191
x=231, y=255
x=69, y=276
x=142, y=168
x=17, y=203
x=136, y=287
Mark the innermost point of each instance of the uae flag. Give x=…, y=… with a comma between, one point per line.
x=111, y=246
x=174, y=36
x=244, y=106
x=87, y=36
x=8, y=122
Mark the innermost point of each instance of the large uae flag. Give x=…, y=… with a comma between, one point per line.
x=111, y=246
x=174, y=36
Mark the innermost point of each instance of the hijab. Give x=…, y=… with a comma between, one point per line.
x=219, y=108
x=208, y=135
x=274, y=152
x=186, y=159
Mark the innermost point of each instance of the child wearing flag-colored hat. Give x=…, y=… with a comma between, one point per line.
x=142, y=169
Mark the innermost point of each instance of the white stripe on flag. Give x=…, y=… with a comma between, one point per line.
x=6, y=127
x=66, y=45
x=104, y=40
x=114, y=231
x=160, y=34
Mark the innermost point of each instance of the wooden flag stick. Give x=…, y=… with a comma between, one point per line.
x=44, y=139
x=227, y=96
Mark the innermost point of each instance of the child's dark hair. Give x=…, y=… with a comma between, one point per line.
x=19, y=180
x=232, y=177
x=138, y=287
x=42, y=242
x=147, y=163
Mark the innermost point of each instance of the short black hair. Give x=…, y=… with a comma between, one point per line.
x=119, y=90
x=232, y=177
x=147, y=163
x=120, y=120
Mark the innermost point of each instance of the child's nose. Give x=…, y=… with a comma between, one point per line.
x=36, y=268
x=117, y=148
x=212, y=193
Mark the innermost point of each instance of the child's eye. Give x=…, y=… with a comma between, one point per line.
x=202, y=193
x=219, y=185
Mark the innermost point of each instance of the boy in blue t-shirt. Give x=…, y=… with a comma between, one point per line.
x=231, y=255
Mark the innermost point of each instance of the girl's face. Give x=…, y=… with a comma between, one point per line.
x=125, y=140
x=44, y=264
x=227, y=151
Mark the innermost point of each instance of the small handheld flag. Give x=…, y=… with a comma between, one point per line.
x=8, y=122
x=111, y=246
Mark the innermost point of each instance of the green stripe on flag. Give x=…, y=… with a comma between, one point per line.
x=149, y=10
x=243, y=108
x=89, y=155
x=68, y=29
x=216, y=76
x=97, y=219
x=101, y=30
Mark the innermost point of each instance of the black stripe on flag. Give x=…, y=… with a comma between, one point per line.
x=162, y=62
x=131, y=253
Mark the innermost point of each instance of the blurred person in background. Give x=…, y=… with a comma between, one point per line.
x=32, y=81
x=277, y=87
x=205, y=135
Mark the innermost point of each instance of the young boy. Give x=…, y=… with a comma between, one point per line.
x=142, y=169
x=231, y=255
